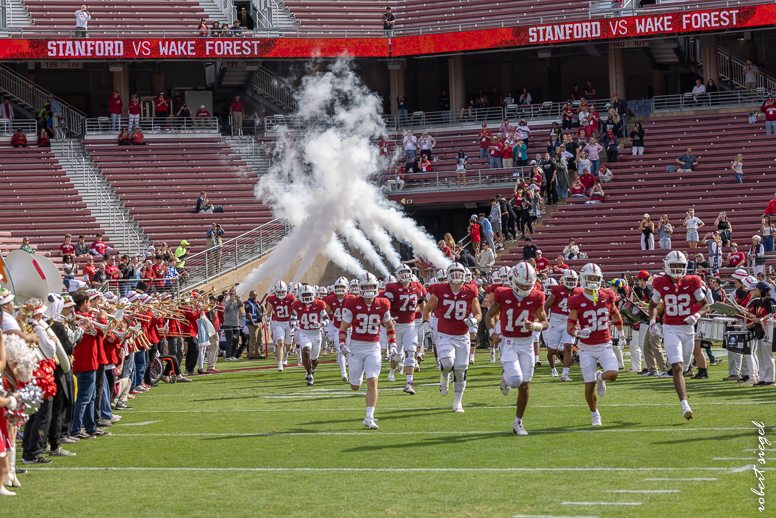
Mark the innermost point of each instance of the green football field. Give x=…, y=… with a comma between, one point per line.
x=259, y=443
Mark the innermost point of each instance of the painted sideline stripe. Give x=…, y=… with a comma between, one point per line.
x=680, y=479
x=391, y=470
x=758, y=449
x=740, y=458
x=549, y=516
x=600, y=503
x=137, y=424
x=643, y=491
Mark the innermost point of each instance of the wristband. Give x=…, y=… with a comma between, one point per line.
x=652, y=322
x=536, y=327
x=491, y=331
x=392, y=341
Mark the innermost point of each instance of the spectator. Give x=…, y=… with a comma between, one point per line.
x=750, y=75
x=526, y=206
x=495, y=99
x=756, y=256
x=575, y=95
x=568, y=116
x=692, y=224
x=495, y=223
x=115, y=106
x=445, y=249
x=182, y=252
x=550, y=173
x=577, y=188
x=594, y=121
x=99, y=248
x=215, y=236
x=486, y=258
x=699, y=90
x=45, y=119
x=460, y=167
x=215, y=30
x=525, y=98
x=555, y=130
x=711, y=90
x=467, y=112
x=585, y=131
x=82, y=18
x=508, y=101
x=647, y=229
x=612, y=145
x=605, y=175
x=19, y=139
x=99, y=278
x=588, y=181
x=162, y=105
x=474, y=233
x=637, y=139
x=553, y=144
x=69, y=270
x=484, y=137
x=389, y=20
x=597, y=196
x=67, y=248
x=724, y=227
x=488, y=229
x=771, y=208
x=495, y=151
x=664, y=231
x=523, y=131
x=81, y=247
x=529, y=250
x=134, y=112
x=768, y=230
x=125, y=139
x=201, y=116
x=592, y=150
x=225, y=31
x=561, y=267
x=520, y=152
x=426, y=144
x=410, y=143
x=542, y=264
x=89, y=270
x=401, y=107
x=412, y=167
x=203, y=31
x=735, y=258
x=571, y=251
x=203, y=204
x=6, y=110
x=137, y=137
x=237, y=31
x=589, y=90
x=770, y=116
x=686, y=161
x=396, y=182
x=425, y=164
x=26, y=245
x=506, y=128
x=56, y=116
x=43, y=138
x=562, y=175
x=183, y=112
x=237, y=111
x=112, y=273
x=714, y=243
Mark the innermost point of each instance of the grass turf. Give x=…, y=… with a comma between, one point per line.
x=260, y=443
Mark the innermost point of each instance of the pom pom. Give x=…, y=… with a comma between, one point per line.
x=18, y=352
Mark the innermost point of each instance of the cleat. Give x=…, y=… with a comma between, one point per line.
x=518, y=429
x=307, y=377
x=504, y=386
x=391, y=377
x=492, y=356
x=310, y=382
x=471, y=361
x=345, y=379
x=600, y=384
x=444, y=384
x=555, y=373
x=538, y=364
x=370, y=423
x=408, y=389
x=565, y=378
x=458, y=409
x=401, y=370
x=597, y=421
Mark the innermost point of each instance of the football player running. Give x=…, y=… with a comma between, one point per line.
x=497, y=278
x=405, y=296
x=335, y=302
x=365, y=313
x=521, y=306
x=557, y=336
x=593, y=309
x=311, y=316
x=679, y=293
x=453, y=302
x=279, y=313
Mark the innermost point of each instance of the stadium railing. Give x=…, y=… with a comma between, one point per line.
x=28, y=126
x=713, y=101
x=446, y=181
x=102, y=125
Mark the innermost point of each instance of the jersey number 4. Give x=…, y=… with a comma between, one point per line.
x=677, y=305
x=367, y=324
x=460, y=308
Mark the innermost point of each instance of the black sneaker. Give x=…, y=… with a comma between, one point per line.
x=643, y=371
x=104, y=424
x=702, y=375
x=37, y=460
x=122, y=406
x=743, y=379
x=82, y=435
x=101, y=433
x=67, y=440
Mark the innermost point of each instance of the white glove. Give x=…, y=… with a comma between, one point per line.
x=344, y=350
x=427, y=329
x=693, y=319
x=12, y=404
x=621, y=342
x=471, y=321
x=393, y=350
x=655, y=328
x=582, y=333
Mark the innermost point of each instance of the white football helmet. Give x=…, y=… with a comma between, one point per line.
x=522, y=277
x=415, y=278
x=330, y=289
x=570, y=279
x=432, y=281
x=404, y=273
x=390, y=279
x=341, y=287
x=675, y=264
x=281, y=290
x=467, y=276
x=367, y=285
x=307, y=294
x=494, y=277
x=503, y=274
x=441, y=275
x=456, y=273
x=548, y=284
x=591, y=277
x=321, y=291
x=354, y=288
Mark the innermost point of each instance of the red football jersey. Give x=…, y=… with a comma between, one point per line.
x=366, y=318
x=453, y=308
x=424, y=293
x=515, y=312
x=594, y=315
x=403, y=300
x=336, y=306
x=309, y=316
x=678, y=298
x=281, y=308
x=493, y=287
x=562, y=296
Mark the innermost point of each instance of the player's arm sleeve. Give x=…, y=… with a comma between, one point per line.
x=656, y=297
x=386, y=316
x=347, y=315
x=388, y=295
x=700, y=294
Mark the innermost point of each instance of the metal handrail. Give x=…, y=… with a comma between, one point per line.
x=274, y=87
x=33, y=95
x=28, y=127
x=447, y=181
x=714, y=101
x=228, y=10
x=234, y=253
x=154, y=125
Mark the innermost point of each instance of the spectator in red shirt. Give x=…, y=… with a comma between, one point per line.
x=735, y=257
x=89, y=270
x=161, y=106
x=445, y=250
x=134, y=112
x=542, y=264
x=771, y=208
x=574, y=95
x=125, y=139
x=137, y=138
x=67, y=248
x=577, y=189
x=201, y=115
x=237, y=110
x=561, y=267
x=495, y=151
x=115, y=106
x=484, y=137
x=99, y=247
x=43, y=138
x=588, y=180
x=112, y=273
x=425, y=164
x=385, y=146
x=474, y=232
x=19, y=139
x=770, y=116
x=203, y=31
x=568, y=116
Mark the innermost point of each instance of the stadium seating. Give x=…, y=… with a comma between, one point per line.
x=35, y=193
x=609, y=233
x=159, y=185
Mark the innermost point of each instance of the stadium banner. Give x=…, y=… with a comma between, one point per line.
x=587, y=30
x=194, y=48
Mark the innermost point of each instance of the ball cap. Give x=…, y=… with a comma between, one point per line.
x=643, y=274
x=185, y=243
x=6, y=296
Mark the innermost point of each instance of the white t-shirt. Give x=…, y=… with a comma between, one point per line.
x=698, y=90
x=692, y=223
x=10, y=323
x=81, y=18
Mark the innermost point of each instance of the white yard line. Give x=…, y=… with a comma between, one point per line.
x=643, y=491
x=600, y=503
x=391, y=470
x=680, y=479
x=549, y=516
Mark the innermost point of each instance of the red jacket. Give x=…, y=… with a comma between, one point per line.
x=18, y=139
x=134, y=106
x=771, y=209
x=162, y=105
x=770, y=112
x=86, y=353
x=190, y=327
x=114, y=105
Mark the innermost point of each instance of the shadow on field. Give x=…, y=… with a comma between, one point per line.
x=388, y=415
x=430, y=442
x=699, y=439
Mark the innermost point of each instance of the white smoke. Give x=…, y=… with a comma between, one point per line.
x=322, y=186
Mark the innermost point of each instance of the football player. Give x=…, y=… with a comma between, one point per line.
x=497, y=277
x=522, y=305
x=404, y=296
x=453, y=302
x=279, y=313
x=365, y=313
x=593, y=309
x=679, y=293
x=311, y=317
x=334, y=304
x=557, y=334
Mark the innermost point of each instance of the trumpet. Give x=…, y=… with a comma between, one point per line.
x=139, y=316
